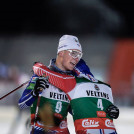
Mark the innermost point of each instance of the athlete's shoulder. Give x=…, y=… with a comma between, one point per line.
x=84, y=80
x=81, y=80
x=101, y=82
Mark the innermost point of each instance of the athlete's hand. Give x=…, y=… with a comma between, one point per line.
x=113, y=111
x=41, y=84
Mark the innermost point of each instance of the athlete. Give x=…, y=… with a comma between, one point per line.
x=92, y=104
x=54, y=103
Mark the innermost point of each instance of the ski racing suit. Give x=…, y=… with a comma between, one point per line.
x=55, y=97
x=89, y=101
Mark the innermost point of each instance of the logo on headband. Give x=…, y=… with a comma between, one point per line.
x=78, y=45
x=62, y=46
x=76, y=40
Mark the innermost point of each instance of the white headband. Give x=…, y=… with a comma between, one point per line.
x=68, y=42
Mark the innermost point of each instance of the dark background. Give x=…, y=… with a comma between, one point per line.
x=111, y=17
x=30, y=31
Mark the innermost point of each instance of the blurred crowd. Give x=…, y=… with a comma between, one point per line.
x=10, y=78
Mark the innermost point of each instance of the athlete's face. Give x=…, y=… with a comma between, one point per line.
x=70, y=59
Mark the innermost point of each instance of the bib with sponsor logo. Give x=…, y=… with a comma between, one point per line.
x=53, y=102
x=89, y=100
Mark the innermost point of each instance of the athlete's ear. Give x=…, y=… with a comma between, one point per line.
x=61, y=53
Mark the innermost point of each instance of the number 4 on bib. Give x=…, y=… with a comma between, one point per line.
x=99, y=104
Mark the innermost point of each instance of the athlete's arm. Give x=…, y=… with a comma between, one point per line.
x=34, y=88
x=27, y=97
